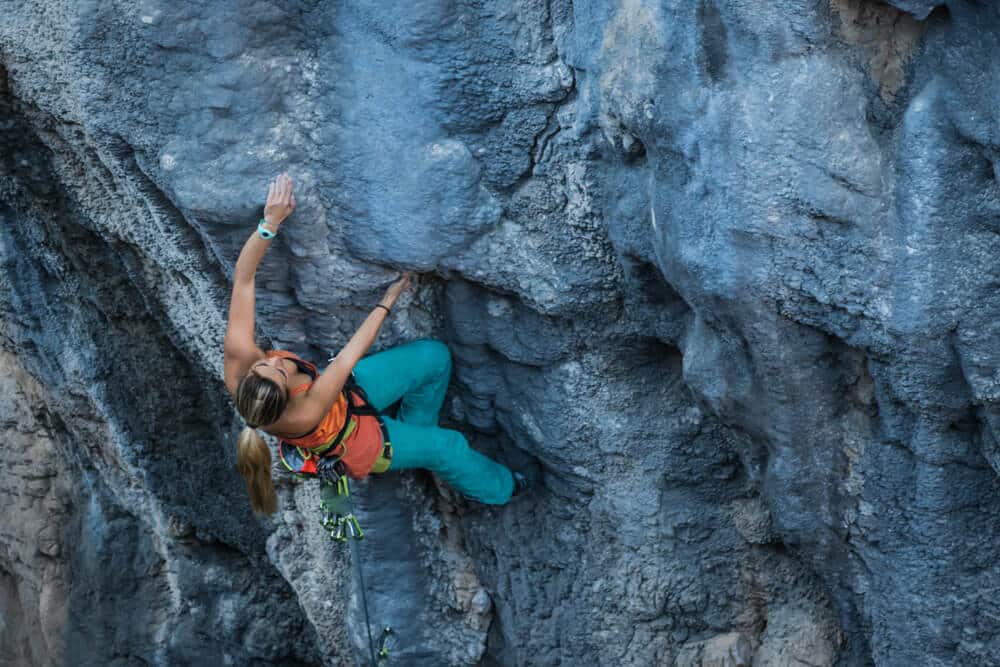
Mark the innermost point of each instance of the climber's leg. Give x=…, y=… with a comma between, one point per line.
x=417, y=372
x=447, y=453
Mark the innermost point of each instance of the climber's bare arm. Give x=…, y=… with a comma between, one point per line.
x=327, y=388
x=240, y=348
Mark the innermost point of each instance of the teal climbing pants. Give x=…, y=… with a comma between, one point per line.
x=418, y=373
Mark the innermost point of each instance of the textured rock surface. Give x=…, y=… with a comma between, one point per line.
x=727, y=269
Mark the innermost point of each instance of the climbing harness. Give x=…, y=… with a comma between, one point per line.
x=306, y=462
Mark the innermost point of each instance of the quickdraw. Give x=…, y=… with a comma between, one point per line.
x=335, y=502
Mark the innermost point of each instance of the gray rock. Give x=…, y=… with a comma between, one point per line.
x=726, y=269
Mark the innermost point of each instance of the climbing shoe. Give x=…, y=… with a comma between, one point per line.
x=526, y=477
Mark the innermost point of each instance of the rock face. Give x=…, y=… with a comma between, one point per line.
x=726, y=269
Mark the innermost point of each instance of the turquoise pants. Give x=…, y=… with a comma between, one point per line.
x=418, y=373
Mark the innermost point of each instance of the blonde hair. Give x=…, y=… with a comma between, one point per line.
x=260, y=401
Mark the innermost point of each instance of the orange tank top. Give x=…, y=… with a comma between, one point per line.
x=360, y=448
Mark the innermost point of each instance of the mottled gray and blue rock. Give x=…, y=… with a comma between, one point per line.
x=726, y=269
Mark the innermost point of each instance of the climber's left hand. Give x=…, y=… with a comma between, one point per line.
x=280, y=201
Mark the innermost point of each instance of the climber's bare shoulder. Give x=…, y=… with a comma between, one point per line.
x=298, y=418
x=238, y=358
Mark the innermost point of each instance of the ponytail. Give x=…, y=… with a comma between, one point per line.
x=253, y=459
x=260, y=402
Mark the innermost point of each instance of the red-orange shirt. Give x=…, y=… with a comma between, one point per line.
x=360, y=449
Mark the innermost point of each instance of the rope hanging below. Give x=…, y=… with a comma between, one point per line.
x=340, y=523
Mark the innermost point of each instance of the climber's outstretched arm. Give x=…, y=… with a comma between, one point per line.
x=327, y=388
x=240, y=348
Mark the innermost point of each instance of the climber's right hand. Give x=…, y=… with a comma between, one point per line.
x=280, y=201
x=395, y=289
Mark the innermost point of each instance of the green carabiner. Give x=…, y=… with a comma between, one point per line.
x=354, y=527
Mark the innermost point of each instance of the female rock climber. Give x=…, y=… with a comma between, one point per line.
x=308, y=411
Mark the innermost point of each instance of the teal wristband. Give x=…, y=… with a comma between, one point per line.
x=264, y=232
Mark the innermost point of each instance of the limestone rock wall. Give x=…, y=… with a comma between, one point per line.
x=725, y=268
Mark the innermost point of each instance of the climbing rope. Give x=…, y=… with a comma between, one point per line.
x=340, y=523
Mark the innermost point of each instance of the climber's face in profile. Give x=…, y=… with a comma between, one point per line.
x=272, y=369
